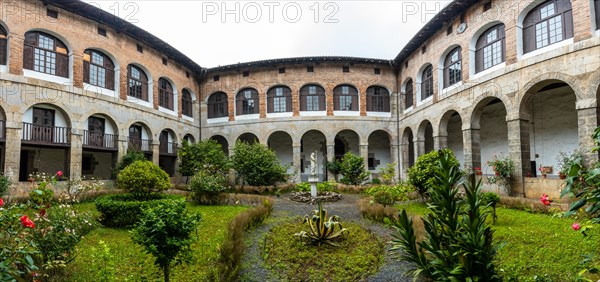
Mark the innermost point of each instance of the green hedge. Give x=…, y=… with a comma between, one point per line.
x=123, y=210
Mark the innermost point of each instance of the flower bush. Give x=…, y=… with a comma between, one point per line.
x=17, y=248
x=504, y=171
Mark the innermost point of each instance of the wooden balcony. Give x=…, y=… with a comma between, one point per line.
x=46, y=135
x=138, y=144
x=168, y=148
x=99, y=140
x=2, y=131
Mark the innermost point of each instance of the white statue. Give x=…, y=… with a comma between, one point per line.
x=313, y=163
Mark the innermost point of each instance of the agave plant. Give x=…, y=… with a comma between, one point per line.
x=322, y=229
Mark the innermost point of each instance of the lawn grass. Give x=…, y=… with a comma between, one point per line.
x=132, y=264
x=538, y=247
x=357, y=256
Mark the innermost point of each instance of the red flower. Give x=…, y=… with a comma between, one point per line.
x=545, y=200
x=497, y=173
x=576, y=226
x=1, y=202
x=25, y=221
x=59, y=173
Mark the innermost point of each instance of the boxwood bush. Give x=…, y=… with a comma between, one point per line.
x=143, y=179
x=124, y=210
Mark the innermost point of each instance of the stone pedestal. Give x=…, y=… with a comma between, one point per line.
x=313, y=180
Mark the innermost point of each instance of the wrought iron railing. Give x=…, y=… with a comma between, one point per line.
x=168, y=148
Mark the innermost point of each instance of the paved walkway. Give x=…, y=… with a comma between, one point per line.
x=253, y=268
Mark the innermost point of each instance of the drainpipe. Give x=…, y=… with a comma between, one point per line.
x=399, y=151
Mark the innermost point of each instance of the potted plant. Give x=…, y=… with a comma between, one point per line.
x=567, y=160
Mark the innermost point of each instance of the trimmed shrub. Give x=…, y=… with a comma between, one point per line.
x=353, y=169
x=124, y=210
x=257, y=164
x=422, y=174
x=129, y=158
x=165, y=231
x=205, y=155
x=143, y=179
x=206, y=187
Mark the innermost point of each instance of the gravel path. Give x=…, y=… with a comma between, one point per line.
x=253, y=267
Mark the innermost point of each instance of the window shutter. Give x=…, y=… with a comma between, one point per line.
x=322, y=102
x=386, y=103
x=302, y=100
x=597, y=6
x=3, y=51
x=144, y=91
x=28, y=57
x=568, y=26
x=62, y=65
x=354, y=102
x=86, y=72
x=110, y=79
x=238, y=105
x=288, y=100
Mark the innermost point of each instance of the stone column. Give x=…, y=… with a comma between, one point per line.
x=76, y=153
x=364, y=153
x=296, y=156
x=519, y=151
x=155, y=151
x=394, y=149
x=587, y=120
x=472, y=148
x=404, y=150
x=122, y=146
x=12, y=151
x=330, y=157
x=440, y=142
x=419, y=148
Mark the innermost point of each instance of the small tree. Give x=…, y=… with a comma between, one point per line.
x=458, y=242
x=204, y=155
x=143, y=179
x=422, y=174
x=387, y=173
x=333, y=167
x=353, y=170
x=165, y=231
x=257, y=164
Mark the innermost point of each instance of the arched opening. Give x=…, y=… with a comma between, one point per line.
x=346, y=141
x=451, y=130
x=223, y=142
x=140, y=139
x=425, y=137
x=45, y=141
x=379, y=150
x=313, y=141
x=189, y=138
x=553, y=123
x=281, y=143
x=408, y=149
x=167, y=151
x=100, y=146
x=248, y=138
x=490, y=118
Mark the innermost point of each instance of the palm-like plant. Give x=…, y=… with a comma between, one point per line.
x=322, y=229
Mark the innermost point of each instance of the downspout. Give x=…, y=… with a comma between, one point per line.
x=199, y=80
x=399, y=150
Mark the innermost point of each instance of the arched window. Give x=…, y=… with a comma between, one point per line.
x=186, y=103
x=217, y=105
x=408, y=93
x=137, y=81
x=165, y=94
x=312, y=98
x=490, y=48
x=546, y=24
x=98, y=69
x=378, y=99
x=46, y=54
x=345, y=98
x=3, y=45
x=453, y=67
x=279, y=99
x=247, y=102
x=427, y=83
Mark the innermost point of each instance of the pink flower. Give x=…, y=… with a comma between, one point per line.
x=59, y=173
x=1, y=202
x=576, y=226
x=545, y=200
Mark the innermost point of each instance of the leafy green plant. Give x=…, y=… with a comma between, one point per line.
x=58, y=231
x=566, y=161
x=206, y=187
x=205, y=155
x=422, y=174
x=303, y=187
x=104, y=261
x=17, y=248
x=491, y=199
x=322, y=229
x=504, y=169
x=143, y=179
x=130, y=157
x=399, y=192
x=458, y=244
x=165, y=232
x=384, y=197
x=124, y=210
x=326, y=186
x=353, y=169
x=4, y=184
x=388, y=173
x=334, y=167
x=376, y=181
x=257, y=164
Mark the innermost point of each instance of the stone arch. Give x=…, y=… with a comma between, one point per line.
x=451, y=135
x=281, y=143
x=425, y=135
x=313, y=141
x=248, y=137
x=489, y=132
x=408, y=148
x=379, y=150
x=189, y=138
x=223, y=142
x=346, y=140
x=542, y=80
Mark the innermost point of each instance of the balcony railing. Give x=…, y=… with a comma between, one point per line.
x=2, y=131
x=99, y=140
x=46, y=135
x=138, y=144
x=168, y=148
